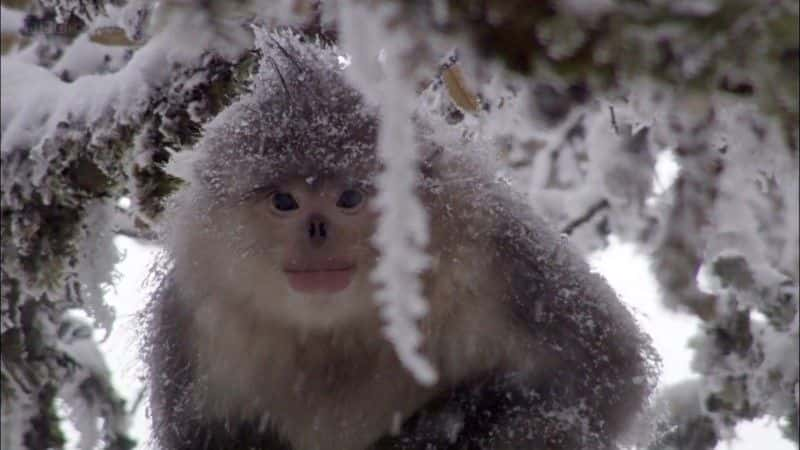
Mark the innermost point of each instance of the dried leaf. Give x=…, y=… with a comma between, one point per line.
x=457, y=88
x=111, y=36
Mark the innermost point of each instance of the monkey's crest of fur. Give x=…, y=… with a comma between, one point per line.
x=299, y=118
x=534, y=350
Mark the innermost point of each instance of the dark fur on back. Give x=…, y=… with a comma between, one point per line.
x=534, y=351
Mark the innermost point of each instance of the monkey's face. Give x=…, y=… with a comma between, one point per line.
x=323, y=227
x=298, y=249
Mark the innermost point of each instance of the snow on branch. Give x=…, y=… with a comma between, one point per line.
x=68, y=141
x=711, y=86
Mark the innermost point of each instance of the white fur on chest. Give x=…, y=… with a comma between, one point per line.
x=344, y=390
x=323, y=392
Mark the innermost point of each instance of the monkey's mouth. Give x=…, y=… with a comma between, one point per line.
x=320, y=281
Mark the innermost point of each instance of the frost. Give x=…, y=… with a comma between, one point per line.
x=11, y=21
x=590, y=158
x=68, y=111
x=402, y=227
x=84, y=57
x=96, y=258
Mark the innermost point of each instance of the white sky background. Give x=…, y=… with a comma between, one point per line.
x=625, y=269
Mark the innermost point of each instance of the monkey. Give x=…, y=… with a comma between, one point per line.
x=263, y=333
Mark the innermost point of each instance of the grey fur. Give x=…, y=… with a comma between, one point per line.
x=534, y=351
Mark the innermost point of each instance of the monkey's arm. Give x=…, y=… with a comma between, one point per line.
x=601, y=366
x=175, y=388
x=591, y=373
x=491, y=412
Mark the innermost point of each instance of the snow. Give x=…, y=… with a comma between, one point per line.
x=402, y=235
x=626, y=269
x=28, y=92
x=84, y=57
x=79, y=345
x=752, y=220
x=39, y=113
x=11, y=20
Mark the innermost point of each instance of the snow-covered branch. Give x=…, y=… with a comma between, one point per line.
x=583, y=102
x=76, y=139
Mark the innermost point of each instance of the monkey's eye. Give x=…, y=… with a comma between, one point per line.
x=350, y=199
x=283, y=202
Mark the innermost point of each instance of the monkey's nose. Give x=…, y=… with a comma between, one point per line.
x=317, y=230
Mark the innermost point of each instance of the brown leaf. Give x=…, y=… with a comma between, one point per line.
x=457, y=88
x=111, y=36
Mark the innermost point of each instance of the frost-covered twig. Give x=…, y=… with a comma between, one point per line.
x=716, y=46
x=402, y=227
x=585, y=217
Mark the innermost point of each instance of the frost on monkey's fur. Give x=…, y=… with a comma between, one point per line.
x=293, y=116
x=306, y=125
x=502, y=286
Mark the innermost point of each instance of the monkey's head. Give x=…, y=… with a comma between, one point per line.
x=276, y=217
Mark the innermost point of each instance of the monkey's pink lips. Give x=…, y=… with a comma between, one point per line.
x=320, y=281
